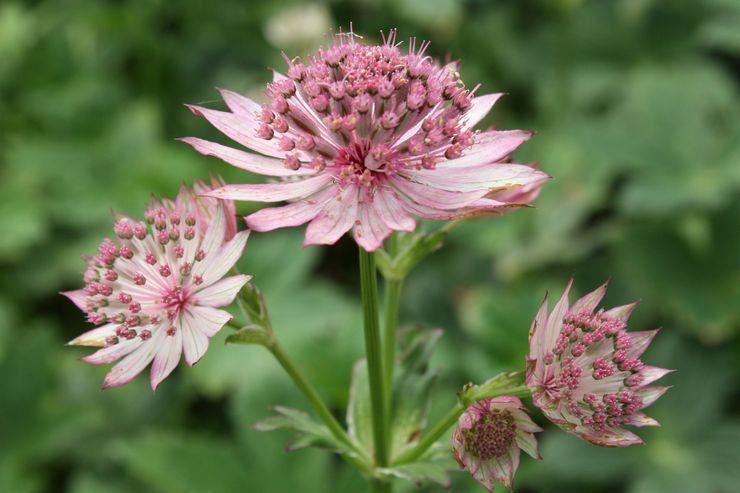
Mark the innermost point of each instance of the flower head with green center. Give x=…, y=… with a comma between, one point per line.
x=489, y=436
x=156, y=293
x=585, y=373
x=364, y=137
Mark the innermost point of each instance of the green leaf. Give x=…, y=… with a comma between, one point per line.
x=411, y=387
x=359, y=410
x=309, y=432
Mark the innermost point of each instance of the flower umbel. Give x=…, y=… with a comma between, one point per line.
x=585, y=373
x=155, y=293
x=488, y=438
x=364, y=137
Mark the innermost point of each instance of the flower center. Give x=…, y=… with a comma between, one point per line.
x=491, y=435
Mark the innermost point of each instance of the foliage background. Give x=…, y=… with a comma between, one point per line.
x=636, y=107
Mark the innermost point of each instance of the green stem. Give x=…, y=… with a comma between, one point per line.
x=392, y=305
x=318, y=404
x=446, y=423
x=369, y=290
x=379, y=486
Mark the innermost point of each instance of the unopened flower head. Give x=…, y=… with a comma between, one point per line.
x=364, y=137
x=155, y=292
x=489, y=436
x=585, y=372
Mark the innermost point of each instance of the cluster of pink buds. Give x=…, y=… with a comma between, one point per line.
x=365, y=137
x=155, y=292
x=489, y=436
x=585, y=372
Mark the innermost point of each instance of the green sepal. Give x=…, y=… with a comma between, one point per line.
x=507, y=383
x=250, y=334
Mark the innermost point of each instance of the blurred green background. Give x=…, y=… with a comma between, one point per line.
x=636, y=108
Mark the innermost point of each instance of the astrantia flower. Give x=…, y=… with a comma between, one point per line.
x=156, y=293
x=364, y=138
x=488, y=438
x=584, y=370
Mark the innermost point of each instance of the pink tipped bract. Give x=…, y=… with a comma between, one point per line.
x=364, y=138
x=156, y=293
x=489, y=436
x=585, y=373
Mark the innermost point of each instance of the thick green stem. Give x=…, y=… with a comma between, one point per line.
x=313, y=396
x=369, y=290
x=447, y=422
x=392, y=305
x=379, y=486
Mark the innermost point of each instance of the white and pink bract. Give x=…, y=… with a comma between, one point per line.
x=585, y=372
x=156, y=293
x=489, y=437
x=364, y=138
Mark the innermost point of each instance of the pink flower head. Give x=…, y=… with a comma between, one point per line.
x=488, y=438
x=364, y=137
x=155, y=293
x=585, y=373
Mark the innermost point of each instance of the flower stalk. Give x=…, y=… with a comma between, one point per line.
x=369, y=290
x=392, y=305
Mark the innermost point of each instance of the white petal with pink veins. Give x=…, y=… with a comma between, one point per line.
x=479, y=108
x=254, y=163
x=270, y=192
x=208, y=319
x=221, y=293
x=168, y=355
x=217, y=263
x=125, y=370
x=194, y=341
x=293, y=214
x=335, y=219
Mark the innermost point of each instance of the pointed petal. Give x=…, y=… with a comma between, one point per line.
x=479, y=108
x=293, y=214
x=616, y=438
x=650, y=394
x=436, y=198
x=488, y=177
x=641, y=419
x=77, y=297
x=109, y=354
x=335, y=219
x=391, y=211
x=539, y=325
x=369, y=230
x=130, y=366
x=240, y=104
x=555, y=320
x=221, y=293
x=253, y=163
x=209, y=320
x=168, y=356
x=528, y=443
x=591, y=300
x=649, y=374
x=272, y=192
x=218, y=262
x=640, y=342
x=95, y=337
x=239, y=129
x=621, y=312
x=194, y=341
x=490, y=147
